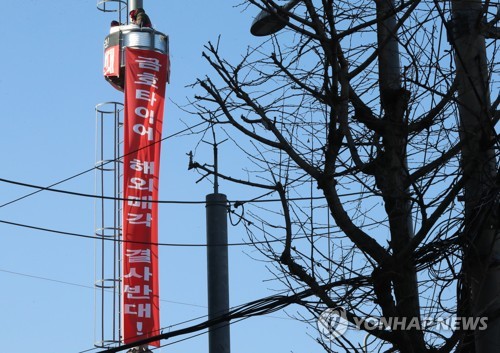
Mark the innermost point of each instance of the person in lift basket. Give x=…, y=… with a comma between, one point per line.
x=140, y=18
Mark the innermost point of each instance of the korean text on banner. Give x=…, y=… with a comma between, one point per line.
x=145, y=81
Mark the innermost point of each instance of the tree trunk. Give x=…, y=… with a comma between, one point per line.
x=482, y=248
x=392, y=176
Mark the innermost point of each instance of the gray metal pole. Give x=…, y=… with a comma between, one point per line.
x=217, y=272
x=134, y=4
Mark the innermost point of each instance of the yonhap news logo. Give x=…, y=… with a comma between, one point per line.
x=333, y=323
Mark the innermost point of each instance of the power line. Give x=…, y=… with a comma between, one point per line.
x=94, y=237
x=47, y=279
x=87, y=286
x=74, y=193
x=177, y=202
x=240, y=312
x=162, y=300
x=259, y=307
x=199, y=334
x=101, y=165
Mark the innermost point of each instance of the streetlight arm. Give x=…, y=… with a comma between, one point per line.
x=291, y=4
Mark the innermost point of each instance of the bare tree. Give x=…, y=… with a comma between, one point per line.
x=372, y=123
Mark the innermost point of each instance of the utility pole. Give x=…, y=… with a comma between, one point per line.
x=482, y=249
x=217, y=265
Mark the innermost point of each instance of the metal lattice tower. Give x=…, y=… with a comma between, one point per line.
x=108, y=217
x=108, y=228
x=120, y=7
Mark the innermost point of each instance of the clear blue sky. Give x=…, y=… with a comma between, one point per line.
x=51, y=80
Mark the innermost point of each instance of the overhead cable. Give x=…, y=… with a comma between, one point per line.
x=95, y=237
x=101, y=165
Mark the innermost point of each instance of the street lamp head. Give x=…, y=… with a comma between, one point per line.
x=267, y=23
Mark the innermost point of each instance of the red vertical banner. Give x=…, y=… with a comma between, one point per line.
x=145, y=81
